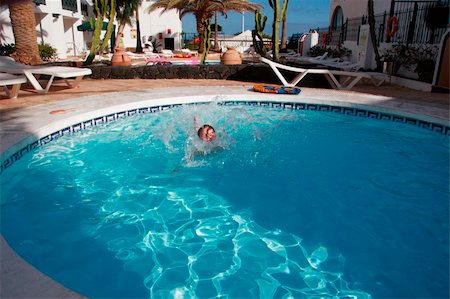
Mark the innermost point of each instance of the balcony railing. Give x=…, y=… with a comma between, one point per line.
x=70, y=5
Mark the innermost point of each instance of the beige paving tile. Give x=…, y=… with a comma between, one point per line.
x=27, y=97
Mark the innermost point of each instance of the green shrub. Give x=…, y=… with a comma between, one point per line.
x=190, y=47
x=7, y=49
x=47, y=52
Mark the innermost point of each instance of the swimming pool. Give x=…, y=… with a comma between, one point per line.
x=238, y=218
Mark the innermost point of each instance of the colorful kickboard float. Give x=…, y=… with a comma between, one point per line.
x=276, y=89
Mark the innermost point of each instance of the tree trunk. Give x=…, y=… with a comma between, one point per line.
x=201, y=32
x=275, y=34
x=373, y=37
x=118, y=36
x=138, y=34
x=216, y=35
x=284, y=33
x=23, y=24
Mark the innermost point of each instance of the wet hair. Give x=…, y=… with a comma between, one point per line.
x=204, y=127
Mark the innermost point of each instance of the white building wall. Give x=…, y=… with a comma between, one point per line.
x=54, y=25
x=155, y=24
x=56, y=37
x=6, y=33
x=357, y=8
x=58, y=27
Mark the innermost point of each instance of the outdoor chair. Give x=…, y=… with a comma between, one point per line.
x=166, y=53
x=189, y=52
x=151, y=55
x=288, y=53
x=348, y=80
x=14, y=81
x=136, y=56
x=343, y=65
x=297, y=58
x=8, y=65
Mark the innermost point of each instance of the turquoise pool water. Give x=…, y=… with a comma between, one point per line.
x=296, y=204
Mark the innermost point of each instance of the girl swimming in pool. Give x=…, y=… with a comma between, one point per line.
x=205, y=144
x=206, y=132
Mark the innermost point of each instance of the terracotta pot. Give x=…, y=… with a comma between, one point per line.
x=120, y=57
x=76, y=63
x=231, y=56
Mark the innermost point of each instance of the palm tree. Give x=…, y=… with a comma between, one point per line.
x=216, y=31
x=284, y=29
x=204, y=10
x=138, y=34
x=23, y=23
x=373, y=37
x=125, y=10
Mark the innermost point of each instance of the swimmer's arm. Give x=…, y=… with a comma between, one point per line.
x=196, y=127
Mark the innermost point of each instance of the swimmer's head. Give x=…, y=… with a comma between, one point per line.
x=207, y=133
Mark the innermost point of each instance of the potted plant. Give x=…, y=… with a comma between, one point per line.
x=424, y=56
x=418, y=58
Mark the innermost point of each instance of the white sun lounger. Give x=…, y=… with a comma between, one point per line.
x=189, y=52
x=349, y=78
x=166, y=53
x=343, y=65
x=299, y=59
x=8, y=65
x=151, y=55
x=142, y=56
x=14, y=81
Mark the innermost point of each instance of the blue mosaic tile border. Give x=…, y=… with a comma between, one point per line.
x=441, y=129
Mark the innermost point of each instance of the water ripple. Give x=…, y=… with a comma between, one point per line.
x=200, y=247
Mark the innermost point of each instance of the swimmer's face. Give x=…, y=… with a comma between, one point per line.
x=207, y=133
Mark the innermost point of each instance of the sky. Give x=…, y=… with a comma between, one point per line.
x=301, y=16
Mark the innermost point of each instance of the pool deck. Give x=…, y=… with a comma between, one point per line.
x=30, y=111
x=88, y=87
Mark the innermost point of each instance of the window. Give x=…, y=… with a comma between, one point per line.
x=338, y=16
x=70, y=5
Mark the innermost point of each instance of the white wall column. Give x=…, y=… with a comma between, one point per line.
x=365, y=54
x=6, y=36
x=74, y=39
